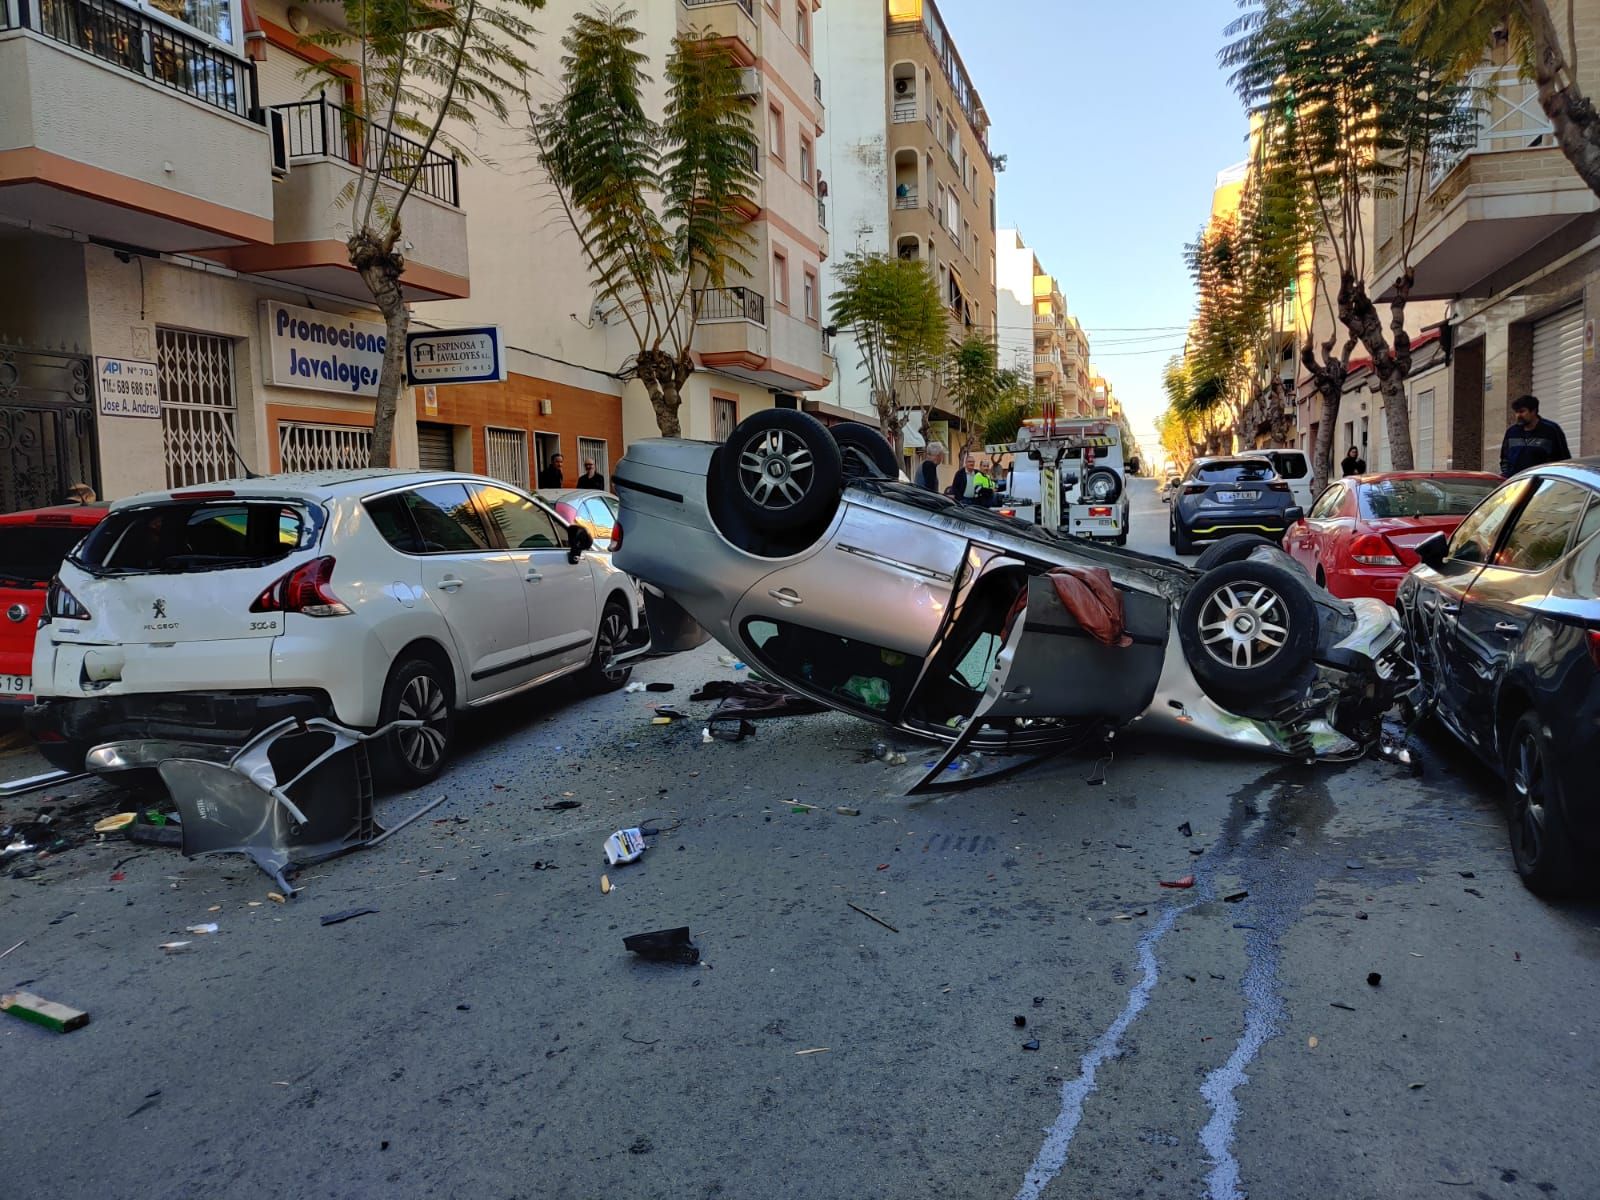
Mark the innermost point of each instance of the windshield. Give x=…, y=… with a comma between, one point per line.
x=1258, y=471
x=31, y=553
x=1424, y=497
x=1289, y=466
x=195, y=536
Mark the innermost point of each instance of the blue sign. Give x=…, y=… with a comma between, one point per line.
x=455, y=356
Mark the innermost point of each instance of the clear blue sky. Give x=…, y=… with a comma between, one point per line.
x=1115, y=119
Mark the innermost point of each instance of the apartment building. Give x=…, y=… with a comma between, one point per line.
x=1036, y=331
x=178, y=304
x=1509, y=241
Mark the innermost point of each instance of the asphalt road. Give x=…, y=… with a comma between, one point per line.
x=484, y=1034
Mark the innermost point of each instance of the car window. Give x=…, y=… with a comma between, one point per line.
x=1328, y=503
x=595, y=516
x=1423, y=497
x=1256, y=471
x=194, y=536
x=856, y=674
x=391, y=517
x=524, y=525
x=446, y=519
x=1544, y=527
x=33, y=553
x=1590, y=525
x=1290, y=466
x=1586, y=559
x=1474, y=539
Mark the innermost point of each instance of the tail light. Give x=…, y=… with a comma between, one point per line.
x=1277, y=485
x=60, y=603
x=303, y=590
x=567, y=512
x=1374, y=550
x=1594, y=647
x=1193, y=489
x=1101, y=511
x=616, y=536
x=1006, y=512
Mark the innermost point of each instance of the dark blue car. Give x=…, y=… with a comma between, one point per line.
x=1504, y=619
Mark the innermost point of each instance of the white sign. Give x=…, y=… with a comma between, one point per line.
x=128, y=387
x=320, y=351
x=455, y=356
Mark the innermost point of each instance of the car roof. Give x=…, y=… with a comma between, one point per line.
x=312, y=485
x=1272, y=450
x=1584, y=470
x=58, y=514
x=568, y=495
x=1230, y=460
x=1384, y=476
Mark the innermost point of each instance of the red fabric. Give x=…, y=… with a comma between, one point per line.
x=1090, y=596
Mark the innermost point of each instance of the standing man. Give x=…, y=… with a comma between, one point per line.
x=591, y=480
x=1531, y=441
x=928, y=472
x=961, y=486
x=551, y=477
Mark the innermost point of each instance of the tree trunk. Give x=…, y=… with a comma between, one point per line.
x=380, y=267
x=1328, y=376
x=1392, y=365
x=1572, y=115
x=657, y=371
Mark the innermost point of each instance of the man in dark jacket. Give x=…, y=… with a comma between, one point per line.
x=551, y=476
x=928, y=472
x=1532, y=440
x=591, y=480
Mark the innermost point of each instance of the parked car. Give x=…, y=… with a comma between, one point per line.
x=1169, y=488
x=595, y=511
x=1360, y=537
x=1293, y=467
x=32, y=545
x=949, y=621
x=205, y=614
x=1235, y=494
x=1504, y=618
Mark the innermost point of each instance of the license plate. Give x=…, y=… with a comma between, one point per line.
x=16, y=685
x=1235, y=497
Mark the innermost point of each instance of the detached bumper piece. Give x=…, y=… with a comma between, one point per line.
x=666, y=630
x=299, y=792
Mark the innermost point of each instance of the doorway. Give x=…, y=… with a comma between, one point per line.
x=47, y=427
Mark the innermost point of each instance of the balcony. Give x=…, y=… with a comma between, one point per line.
x=328, y=147
x=738, y=336
x=1493, y=202
x=906, y=200
x=120, y=124
x=904, y=111
x=732, y=22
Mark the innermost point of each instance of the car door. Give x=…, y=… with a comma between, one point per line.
x=1308, y=539
x=558, y=592
x=1504, y=597
x=475, y=586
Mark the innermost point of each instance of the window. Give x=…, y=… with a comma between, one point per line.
x=859, y=675
x=304, y=446
x=33, y=552
x=447, y=521
x=1328, y=503
x=391, y=517
x=1423, y=497
x=805, y=160
x=1234, y=471
x=802, y=27
x=506, y=455
x=811, y=295
x=195, y=374
x=1474, y=539
x=598, y=517
x=191, y=536
x=597, y=451
x=724, y=416
x=938, y=192
x=780, y=279
x=952, y=212
x=775, y=132
x=1544, y=527
x=1289, y=466
x=523, y=524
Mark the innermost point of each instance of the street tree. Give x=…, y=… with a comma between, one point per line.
x=655, y=204
x=992, y=400
x=1350, y=115
x=892, y=310
x=1460, y=33
x=429, y=73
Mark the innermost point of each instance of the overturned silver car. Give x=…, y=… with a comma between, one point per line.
x=797, y=547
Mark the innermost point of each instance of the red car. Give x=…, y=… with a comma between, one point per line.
x=32, y=545
x=1360, y=536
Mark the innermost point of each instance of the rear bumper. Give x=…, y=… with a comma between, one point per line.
x=1209, y=530
x=222, y=718
x=1381, y=583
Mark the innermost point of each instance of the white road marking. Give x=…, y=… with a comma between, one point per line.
x=1052, y=1155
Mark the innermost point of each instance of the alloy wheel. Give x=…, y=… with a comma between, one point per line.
x=776, y=469
x=422, y=700
x=1528, y=814
x=613, y=633
x=1243, y=625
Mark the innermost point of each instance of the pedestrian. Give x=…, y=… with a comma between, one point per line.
x=80, y=493
x=1353, y=463
x=961, y=486
x=1532, y=440
x=591, y=480
x=928, y=472
x=551, y=476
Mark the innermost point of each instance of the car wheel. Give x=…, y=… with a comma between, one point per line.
x=1182, y=543
x=64, y=756
x=419, y=690
x=781, y=469
x=863, y=451
x=1121, y=539
x=613, y=632
x=1236, y=547
x=1540, y=844
x=1102, y=486
x=1248, y=631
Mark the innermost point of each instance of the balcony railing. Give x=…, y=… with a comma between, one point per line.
x=907, y=200
x=144, y=45
x=905, y=111
x=1508, y=118
x=730, y=304
x=749, y=6
x=320, y=129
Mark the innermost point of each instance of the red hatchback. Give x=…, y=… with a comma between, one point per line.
x=32, y=545
x=1360, y=536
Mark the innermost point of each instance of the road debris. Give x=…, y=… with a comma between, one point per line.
x=563, y=805
x=659, y=687
x=348, y=914
x=605, y=885
x=625, y=846
x=633, y=689
x=1186, y=882
x=277, y=897
x=1186, y=830
x=1374, y=979
x=671, y=712
x=1340, y=1004
x=845, y=810
x=114, y=824
x=886, y=753
x=208, y=927
x=1235, y=897
x=21, y=943
x=1019, y=1020
x=814, y=1050
x=1354, y=864
x=664, y=945
x=1312, y=1042
x=872, y=917
x=40, y=1011
x=1473, y=892
x=175, y=947
x=1031, y=1044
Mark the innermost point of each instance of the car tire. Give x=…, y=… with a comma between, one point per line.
x=780, y=469
x=613, y=632
x=862, y=446
x=1249, y=630
x=1121, y=539
x=418, y=689
x=1112, y=496
x=1236, y=547
x=1541, y=845
x=64, y=756
x=1182, y=543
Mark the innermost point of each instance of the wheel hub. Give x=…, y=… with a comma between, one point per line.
x=1243, y=625
x=775, y=470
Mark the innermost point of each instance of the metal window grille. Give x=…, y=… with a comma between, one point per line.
x=198, y=414
x=724, y=416
x=507, y=453
x=303, y=446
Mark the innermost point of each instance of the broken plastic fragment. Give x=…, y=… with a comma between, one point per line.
x=664, y=945
x=625, y=846
x=1186, y=882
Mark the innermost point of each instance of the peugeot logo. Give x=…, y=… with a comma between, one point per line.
x=17, y=613
x=159, y=610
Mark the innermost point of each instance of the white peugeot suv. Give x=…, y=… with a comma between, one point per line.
x=366, y=596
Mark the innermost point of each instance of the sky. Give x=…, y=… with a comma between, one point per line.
x=1114, y=118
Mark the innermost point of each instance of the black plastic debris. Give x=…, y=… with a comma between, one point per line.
x=1019, y=1020
x=659, y=687
x=1374, y=979
x=1467, y=874
x=563, y=806
x=348, y=914
x=1186, y=830
x=1234, y=897
x=1031, y=1044
x=664, y=945
x=1038, y=1001
x=1354, y=864
x=730, y=729
x=1473, y=892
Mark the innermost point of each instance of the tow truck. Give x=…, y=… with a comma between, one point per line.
x=1068, y=477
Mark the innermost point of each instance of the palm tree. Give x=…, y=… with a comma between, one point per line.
x=1461, y=32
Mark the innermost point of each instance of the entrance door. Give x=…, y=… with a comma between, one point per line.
x=47, y=428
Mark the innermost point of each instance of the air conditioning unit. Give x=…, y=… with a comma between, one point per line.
x=280, y=143
x=545, y=407
x=749, y=83
x=902, y=87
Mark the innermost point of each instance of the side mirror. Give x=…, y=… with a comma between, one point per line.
x=1433, y=550
x=1294, y=513
x=579, y=539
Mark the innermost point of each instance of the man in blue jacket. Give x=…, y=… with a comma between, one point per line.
x=1531, y=441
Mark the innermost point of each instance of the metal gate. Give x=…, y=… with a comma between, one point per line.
x=1558, y=371
x=47, y=427
x=436, y=449
x=197, y=406
x=507, y=453
x=303, y=446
